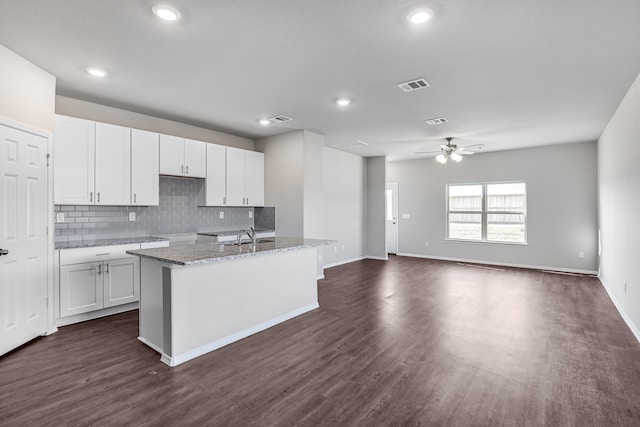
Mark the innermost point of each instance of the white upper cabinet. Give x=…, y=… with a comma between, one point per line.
x=74, y=161
x=235, y=177
x=254, y=178
x=145, y=154
x=212, y=192
x=195, y=158
x=112, y=165
x=182, y=157
x=245, y=177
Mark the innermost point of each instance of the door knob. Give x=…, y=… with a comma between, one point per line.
x=4, y=252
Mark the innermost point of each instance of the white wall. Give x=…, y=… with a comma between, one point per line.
x=27, y=93
x=344, y=214
x=102, y=113
x=375, y=234
x=561, y=211
x=619, y=207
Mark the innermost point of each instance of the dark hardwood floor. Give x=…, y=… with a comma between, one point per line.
x=403, y=342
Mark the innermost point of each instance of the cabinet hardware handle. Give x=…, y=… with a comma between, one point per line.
x=99, y=269
x=98, y=197
x=182, y=169
x=91, y=197
x=134, y=198
x=187, y=170
x=4, y=252
x=106, y=268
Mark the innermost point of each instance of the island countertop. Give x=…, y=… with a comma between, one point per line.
x=205, y=253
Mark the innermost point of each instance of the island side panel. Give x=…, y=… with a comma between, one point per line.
x=220, y=302
x=151, y=304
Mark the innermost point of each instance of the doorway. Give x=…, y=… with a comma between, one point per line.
x=23, y=236
x=391, y=218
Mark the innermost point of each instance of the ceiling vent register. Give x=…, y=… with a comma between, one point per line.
x=412, y=85
x=437, y=121
x=280, y=119
x=349, y=145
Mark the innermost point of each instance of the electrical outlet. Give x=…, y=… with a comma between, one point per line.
x=335, y=249
x=221, y=214
x=342, y=247
x=250, y=214
x=406, y=216
x=60, y=217
x=132, y=216
x=580, y=254
x=426, y=243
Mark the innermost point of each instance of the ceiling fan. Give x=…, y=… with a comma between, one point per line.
x=452, y=151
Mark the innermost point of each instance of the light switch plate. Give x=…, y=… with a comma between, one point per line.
x=60, y=217
x=406, y=216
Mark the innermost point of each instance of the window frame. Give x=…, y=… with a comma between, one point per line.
x=484, y=213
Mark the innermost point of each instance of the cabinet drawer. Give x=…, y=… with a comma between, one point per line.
x=98, y=253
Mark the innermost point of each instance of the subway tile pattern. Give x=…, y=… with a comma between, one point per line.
x=177, y=213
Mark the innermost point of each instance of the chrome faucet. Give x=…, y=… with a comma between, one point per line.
x=252, y=235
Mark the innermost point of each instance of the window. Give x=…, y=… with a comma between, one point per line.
x=491, y=212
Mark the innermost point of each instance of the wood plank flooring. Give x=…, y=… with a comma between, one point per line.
x=403, y=342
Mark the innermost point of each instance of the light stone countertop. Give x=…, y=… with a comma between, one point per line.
x=106, y=242
x=205, y=253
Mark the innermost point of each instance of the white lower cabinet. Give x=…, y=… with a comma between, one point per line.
x=93, y=279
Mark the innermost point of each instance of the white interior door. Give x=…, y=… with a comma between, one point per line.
x=23, y=240
x=391, y=216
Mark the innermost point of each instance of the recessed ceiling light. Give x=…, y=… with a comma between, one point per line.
x=96, y=72
x=166, y=12
x=420, y=16
x=343, y=102
x=264, y=122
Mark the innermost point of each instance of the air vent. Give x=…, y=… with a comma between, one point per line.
x=412, y=85
x=280, y=119
x=347, y=145
x=437, y=121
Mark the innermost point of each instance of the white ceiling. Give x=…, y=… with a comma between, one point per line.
x=506, y=73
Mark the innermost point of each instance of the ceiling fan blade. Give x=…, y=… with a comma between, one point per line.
x=465, y=152
x=428, y=152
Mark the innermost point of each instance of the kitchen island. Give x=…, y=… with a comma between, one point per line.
x=197, y=298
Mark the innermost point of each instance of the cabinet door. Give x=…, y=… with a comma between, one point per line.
x=121, y=281
x=171, y=155
x=113, y=165
x=254, y=178
x=216, y=175
x=235, y=177
x=195, y=158
x=81, y=288
x=73, y=161
x=145, y=162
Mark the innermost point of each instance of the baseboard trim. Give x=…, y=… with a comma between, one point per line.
x=347, y=261
x=150, y=344
x=184, y=357
x=77, y=318
x=503, y=264
x=634, y=329
x=381, y=258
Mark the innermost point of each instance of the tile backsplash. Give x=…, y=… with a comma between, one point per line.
x=177, y=213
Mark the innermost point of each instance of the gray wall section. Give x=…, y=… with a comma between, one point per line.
x=561, y=202
x=313, y=191
x=375, y=236
x=343, y=205
x=177, y=213
x=619, y=204
x=284, y=180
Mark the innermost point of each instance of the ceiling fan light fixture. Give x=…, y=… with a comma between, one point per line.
x=457, y=157
x=441, y=158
